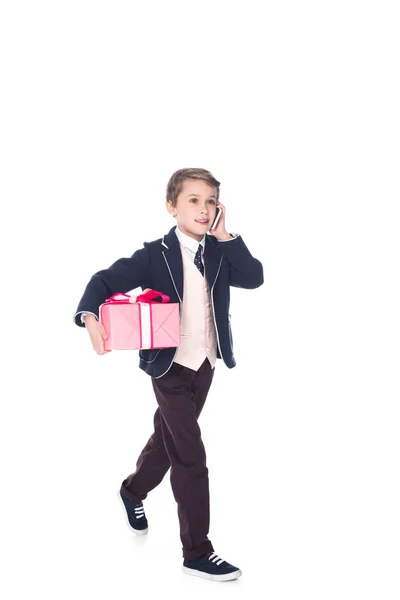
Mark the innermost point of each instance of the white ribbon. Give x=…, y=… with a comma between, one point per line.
x=146, y=329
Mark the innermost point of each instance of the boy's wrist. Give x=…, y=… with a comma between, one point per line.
x=88, y=317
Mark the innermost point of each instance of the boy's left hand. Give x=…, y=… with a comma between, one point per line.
x=220, y=231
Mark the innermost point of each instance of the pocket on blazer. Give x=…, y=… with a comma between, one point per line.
x=150, y=355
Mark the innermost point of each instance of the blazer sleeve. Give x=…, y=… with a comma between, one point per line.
x=123, y=275
x=245, y=271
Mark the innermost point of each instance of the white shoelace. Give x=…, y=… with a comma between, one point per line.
x=215, y=558
x=139, y=512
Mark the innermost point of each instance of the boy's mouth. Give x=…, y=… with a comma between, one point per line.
x=202, y=221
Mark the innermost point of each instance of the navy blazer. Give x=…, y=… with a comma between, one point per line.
x=159, y=266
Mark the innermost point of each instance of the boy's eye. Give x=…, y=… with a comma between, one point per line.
x=196, y=200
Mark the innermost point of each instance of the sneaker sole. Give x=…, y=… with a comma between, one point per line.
x=137, y=531
x=224, y=577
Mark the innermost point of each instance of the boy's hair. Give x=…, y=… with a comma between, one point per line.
x=175, y=184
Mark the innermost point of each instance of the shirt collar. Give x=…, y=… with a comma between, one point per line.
x=189, y=242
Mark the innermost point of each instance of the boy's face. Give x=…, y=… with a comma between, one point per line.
x=197, y=200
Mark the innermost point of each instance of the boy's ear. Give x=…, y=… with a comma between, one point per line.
x=171, y=209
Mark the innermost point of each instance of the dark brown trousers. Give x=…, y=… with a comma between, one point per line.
x=176, y=443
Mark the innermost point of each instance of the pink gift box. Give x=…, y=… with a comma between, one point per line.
x=140, y=323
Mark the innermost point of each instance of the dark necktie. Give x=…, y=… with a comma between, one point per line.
x=197, y=261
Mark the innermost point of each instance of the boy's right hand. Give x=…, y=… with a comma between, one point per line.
x=97, y=334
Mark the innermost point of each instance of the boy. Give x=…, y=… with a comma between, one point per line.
x=197, y=271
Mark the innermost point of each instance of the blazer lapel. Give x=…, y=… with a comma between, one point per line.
x=172, y=254
x=212, y=260
x=173, y=258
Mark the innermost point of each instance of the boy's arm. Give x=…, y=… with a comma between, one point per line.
x=245, y=271
x=123, y=275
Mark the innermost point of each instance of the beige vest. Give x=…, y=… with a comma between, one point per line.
x=198, y=336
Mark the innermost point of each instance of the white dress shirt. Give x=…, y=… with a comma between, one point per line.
x=190, y=244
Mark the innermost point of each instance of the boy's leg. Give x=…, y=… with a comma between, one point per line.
x=151, y=466
x=153, y=462
x=181, y=394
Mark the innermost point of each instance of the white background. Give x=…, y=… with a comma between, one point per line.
x=294, y=107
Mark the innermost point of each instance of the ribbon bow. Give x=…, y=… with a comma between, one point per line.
x=148, y=297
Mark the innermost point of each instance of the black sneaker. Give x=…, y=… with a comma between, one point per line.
x=136, y=517
x=211, y=566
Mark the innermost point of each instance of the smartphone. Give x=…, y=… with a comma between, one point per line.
x=216, y=218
